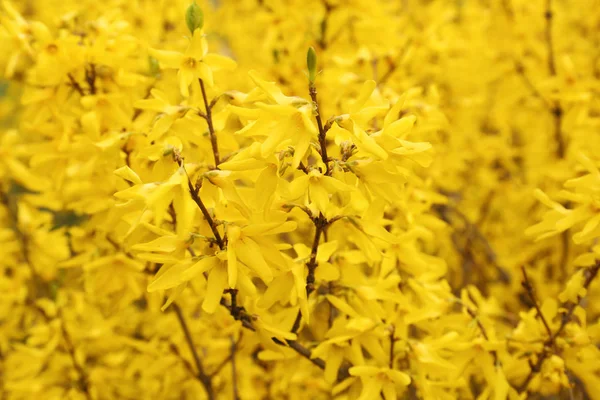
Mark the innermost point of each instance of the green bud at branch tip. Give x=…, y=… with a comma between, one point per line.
x=311, y=63
x=194, y=17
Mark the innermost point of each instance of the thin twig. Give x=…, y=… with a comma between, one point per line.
x=209, y=121
x=83, y=381
x=536, y=367
x=322, y=133
x=482, y=329
x=297, y=321
x=90, y=77
x=238, y=312
x=194, y=191
x=185, y=362
x=392, y=345
x=320, y=223
x=76, y=85
x=531, y=293
x=343, y=372
x=520, y=69
x=303, y=168
x=204, y=378
x=474, y=229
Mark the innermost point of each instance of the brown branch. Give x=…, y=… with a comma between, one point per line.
x=90, y=77
x=223, y=363
x=221, y=366
x=202, y=376
x=520, y=69
x=297, y=321
x=489, y=252
x=343, y=372
x=322, y=132
x=239, y=313
x=592, y=272
x=392, y=345
x=83, y=381
x=194, y=191
x=303, y=168
x=185, y=362
x=76, y=85
x=320, y=223
x=209, y=121
x=526, y=283
x=484, y=333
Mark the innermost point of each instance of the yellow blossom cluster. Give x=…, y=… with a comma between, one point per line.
x=286, y=199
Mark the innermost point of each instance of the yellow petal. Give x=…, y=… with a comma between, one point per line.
x=364, y=95
x=250, y=254
x=217, y=62
x=198, y=47
x=232, y=268
x=168, y=277
x=186, y=76
x=164, y=244
x=216, y=284
x=128, y=174
x=25, y=177
x=199, y=267
x=206, y=74
x=168, y=59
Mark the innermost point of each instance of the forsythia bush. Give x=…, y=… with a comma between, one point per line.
x=286, y=199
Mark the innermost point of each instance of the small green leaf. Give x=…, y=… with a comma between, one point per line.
x=194, y=17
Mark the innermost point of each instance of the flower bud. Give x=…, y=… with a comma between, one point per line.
x=194, y=17
x=311, y=63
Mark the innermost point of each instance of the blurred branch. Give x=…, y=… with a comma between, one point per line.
x=536, y=367
x=203, y=377
x=472, y=229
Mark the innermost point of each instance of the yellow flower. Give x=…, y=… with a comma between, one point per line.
x=195, y=63
x=380, y=379
x=574, y=289
x=168, y=113
x=317, y=187
x=278, y=119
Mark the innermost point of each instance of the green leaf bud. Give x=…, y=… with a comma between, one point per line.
x=311, y=63
x=194, y=17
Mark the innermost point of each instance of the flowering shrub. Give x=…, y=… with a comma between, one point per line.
x=299, y=199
